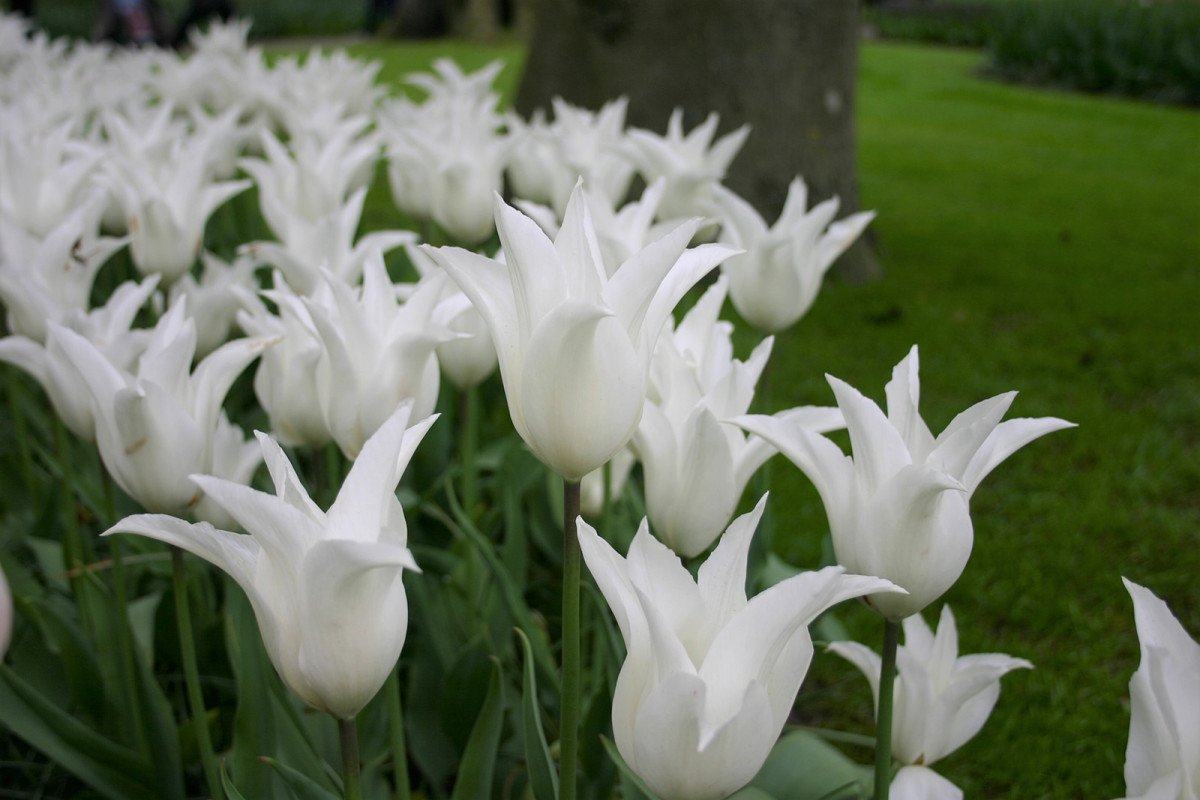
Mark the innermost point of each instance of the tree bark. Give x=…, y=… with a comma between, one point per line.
x=787, y=67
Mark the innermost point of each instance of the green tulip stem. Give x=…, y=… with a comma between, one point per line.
x=121, y=593
x=20, y=429
x=348, y=733
x=191, y=675
x=883, y=725
x=74, y=558
x=396, y=736
x=569, y=727
x=468, y=404
x=125, y=640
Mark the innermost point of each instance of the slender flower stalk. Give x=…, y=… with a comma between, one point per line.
x=571, y=666
x=348, y=734
x=396, y=736
x=468, y=406
x=883, y=722
x=191, y=675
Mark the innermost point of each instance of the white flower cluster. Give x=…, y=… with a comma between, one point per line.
x=102, y=149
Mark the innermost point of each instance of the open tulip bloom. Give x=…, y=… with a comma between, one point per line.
x=777, y=279
x=574, y=344
x=899, y=507
x=709, y=677
x=1162, y=759
x=308, y=572
x=941, y=700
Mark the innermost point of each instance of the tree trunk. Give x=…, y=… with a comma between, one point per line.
x=476, y=20
x=787, y=67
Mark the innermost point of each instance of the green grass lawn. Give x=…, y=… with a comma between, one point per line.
x=1050, y=243
x=1038, y=241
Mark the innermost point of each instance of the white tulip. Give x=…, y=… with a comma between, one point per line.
x=156, y=425
x=309, y=247
x=167, y=209
x=695, y=468
x=212, y=301
x=108, y=328
x=574, y=344
x=50, y=279
x=777, y=279
x=549, y=158
x=285, y=382
x=325, y=586
x=376, y=353
x=692, y=165
x=709, y=678
x=1162, y=759
x=899, y=507
x=941, y=700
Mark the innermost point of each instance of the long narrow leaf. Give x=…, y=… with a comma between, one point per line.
x=542, y=777
x=112, y=770
x=465, y=529
x=479, y=760
x=302, y=786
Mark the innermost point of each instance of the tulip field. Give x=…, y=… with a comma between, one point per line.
x=1039, y=240
x=364, y=440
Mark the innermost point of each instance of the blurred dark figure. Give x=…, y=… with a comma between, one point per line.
x=200, y=11
x=378, y=12
x=22, y=7
x=131, y=22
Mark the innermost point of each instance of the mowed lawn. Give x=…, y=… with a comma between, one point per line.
x=1038, y=241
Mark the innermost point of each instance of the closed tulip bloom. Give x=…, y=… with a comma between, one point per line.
x=941, y=702
x=213, y=300
x=776, y=280
x=709, y=677
x=156, y=425
x=695, y=467
x=50, y=279
x=376, y=353
x=899, y=507
x=285, y=382
x=167, y=209
x=468, y=360
x=574, y=344
x=108, y=328
x=1162, y=759
x=325, y=586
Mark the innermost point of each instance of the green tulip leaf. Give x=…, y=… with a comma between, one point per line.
x=751, y=793
x=231, y=791
x=803, y=766
x=479, y=760
x=631, y=778
x=542, y=777
x=112, y=770
x=302, y=786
